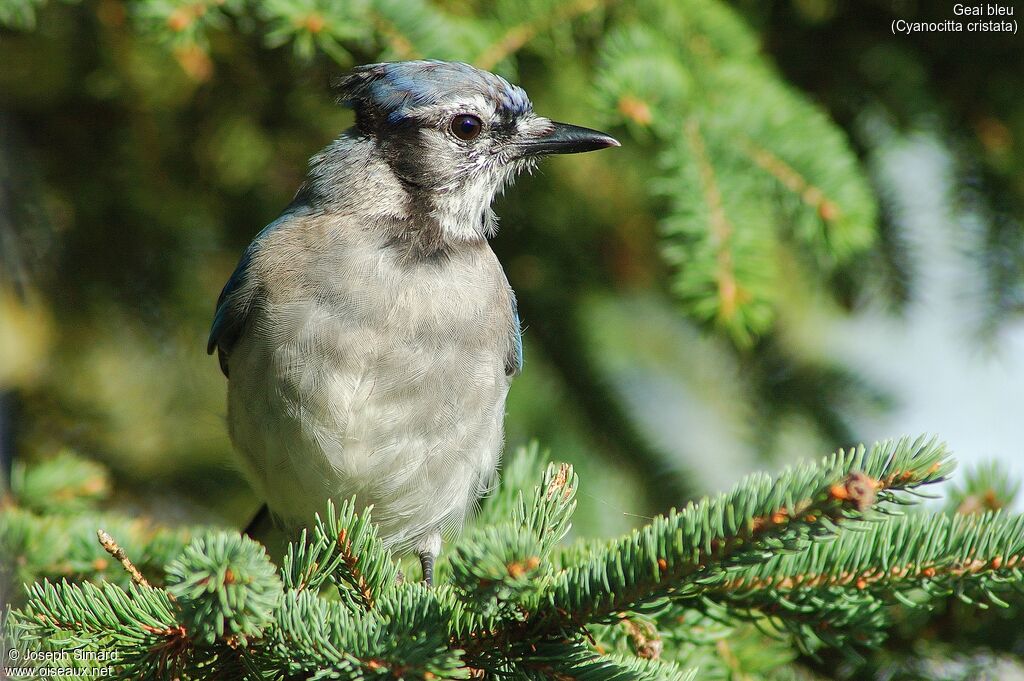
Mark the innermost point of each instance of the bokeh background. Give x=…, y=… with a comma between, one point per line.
x=143, y=144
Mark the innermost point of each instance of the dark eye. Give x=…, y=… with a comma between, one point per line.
x=466, y=127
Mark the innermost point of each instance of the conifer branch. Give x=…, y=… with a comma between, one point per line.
x=138, y=624
x=659, y=63
x=225, y=587
x=350, y=561
x=730, y=295
x=364, y=568
x=414, y=29
x=815, y=551
x=576, y=662
x=344, y=549
x=400, y=45
x=516, y=37
x=840, y=590
x=684, y=554
x=687, y=550
x=810, y=194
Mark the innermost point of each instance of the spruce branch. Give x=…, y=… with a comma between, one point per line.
x=314, y=24
x=579, y=663
x=346, y=550
x=828, y=205
x=182, y=26
x=516, y=37
x=547, y=513
x=225, y=586
x=818, y=552
x=730, y=294
x=792, y=180
x=56, y=499
x=137, y=625
x=495, y=571
x=520, y=471
x=659, y=63
x=841, y=590
x=694, y=640
x=413, y=29
x=742, y=182
x=685, y=552
x=501, y=568
x=67, y=483
x=636, y=86
x=939, y=554
x=716, y=225
x=576, y=661
x=986, y=487
x=399, y=45
x=405, y=638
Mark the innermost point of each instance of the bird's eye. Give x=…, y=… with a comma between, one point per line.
x=466, y=127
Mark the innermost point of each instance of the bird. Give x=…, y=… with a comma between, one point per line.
x=369, y=335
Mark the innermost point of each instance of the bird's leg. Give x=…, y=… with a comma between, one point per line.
x=428, y=550
x=427, y=562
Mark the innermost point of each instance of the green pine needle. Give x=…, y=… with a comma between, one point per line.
x=226, y=586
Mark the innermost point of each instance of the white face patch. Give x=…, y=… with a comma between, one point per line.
x=533, y=126
x=466, y=176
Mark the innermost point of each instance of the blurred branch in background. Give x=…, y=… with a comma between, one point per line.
x=964, y=91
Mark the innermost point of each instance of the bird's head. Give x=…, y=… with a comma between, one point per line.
x=455, y=136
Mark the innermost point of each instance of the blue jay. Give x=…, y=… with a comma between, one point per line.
x=369, y=334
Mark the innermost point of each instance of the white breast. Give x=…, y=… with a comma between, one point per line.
x=362, y=375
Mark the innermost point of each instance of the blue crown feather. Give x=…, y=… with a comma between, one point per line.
x=395, y=89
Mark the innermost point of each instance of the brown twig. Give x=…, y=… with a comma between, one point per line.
x=115, y=550
x=869, y=577
x=793, y=181
x=730, y=294
x=352, y=563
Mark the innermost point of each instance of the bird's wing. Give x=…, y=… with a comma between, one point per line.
x=514, y=363
x=236, y=298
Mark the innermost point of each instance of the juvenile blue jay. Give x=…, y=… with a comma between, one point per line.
x=369, y=334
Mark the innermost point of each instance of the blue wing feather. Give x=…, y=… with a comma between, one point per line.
x=224, y=319
x=514, y=366
x=231, y=314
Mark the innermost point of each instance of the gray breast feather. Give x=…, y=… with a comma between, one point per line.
x=292, y=231
x=359, y=371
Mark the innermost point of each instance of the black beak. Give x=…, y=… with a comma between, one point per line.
x=566, y=139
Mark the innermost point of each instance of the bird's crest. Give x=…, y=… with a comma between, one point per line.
x=392, y=90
